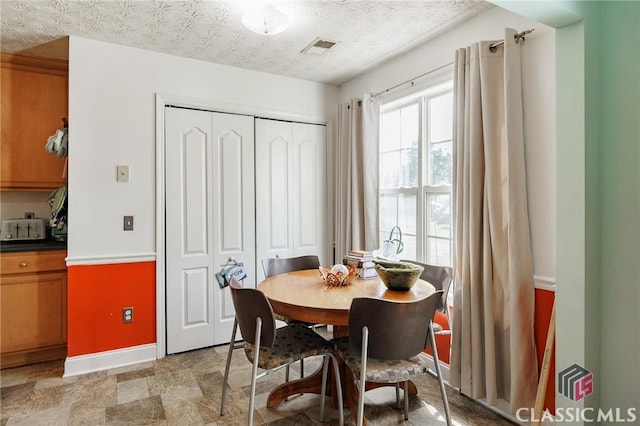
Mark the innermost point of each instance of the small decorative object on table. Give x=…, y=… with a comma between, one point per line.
x=338, y=275
x=398, y=275
x=391, y=247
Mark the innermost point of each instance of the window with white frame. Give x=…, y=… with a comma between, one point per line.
x=416, y=162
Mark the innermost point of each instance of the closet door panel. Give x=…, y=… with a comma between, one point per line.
x=234, y=209
x=310, y=203
x=274, y=191
x=189, y=230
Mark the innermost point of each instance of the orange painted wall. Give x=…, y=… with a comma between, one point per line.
x=544, y=306
x=96, y=295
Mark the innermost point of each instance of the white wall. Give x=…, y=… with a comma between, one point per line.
x=539, y=88
x=112, y=122
x=539, y=99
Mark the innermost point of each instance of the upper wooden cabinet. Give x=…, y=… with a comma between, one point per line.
x=34, y=101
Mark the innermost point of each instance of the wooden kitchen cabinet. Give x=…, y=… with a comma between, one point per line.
x=33, y=298
x=34, y=101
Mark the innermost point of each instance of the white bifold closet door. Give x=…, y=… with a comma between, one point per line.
x=291, y=202
x=210, y=217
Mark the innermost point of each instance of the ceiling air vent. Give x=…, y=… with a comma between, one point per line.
x=318, y=47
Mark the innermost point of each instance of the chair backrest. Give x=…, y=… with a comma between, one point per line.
x=251, y=304
x=397, y=330
x=440, y=277
x=277, y=265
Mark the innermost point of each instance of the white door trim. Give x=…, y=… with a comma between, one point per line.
x=163, y=100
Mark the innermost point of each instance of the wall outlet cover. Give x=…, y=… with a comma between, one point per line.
x=127, y=314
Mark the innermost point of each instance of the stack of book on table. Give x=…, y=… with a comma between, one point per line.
x=363, y=261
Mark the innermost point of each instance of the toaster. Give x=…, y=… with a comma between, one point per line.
x=23, y=229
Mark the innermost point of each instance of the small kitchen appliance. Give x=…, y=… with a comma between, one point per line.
x=23, y=229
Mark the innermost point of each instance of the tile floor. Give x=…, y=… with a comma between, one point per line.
x=185, y=389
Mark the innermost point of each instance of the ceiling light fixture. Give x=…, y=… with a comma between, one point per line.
x=266, y=20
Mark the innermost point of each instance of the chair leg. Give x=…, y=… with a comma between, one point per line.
x=436, y=361
x=406, y=400
x=254, y=372
x=363, y=374
x=286, y=377
x=336, y=373
x=302, y=368
x=323, y=389
x=226, y=368
x=397, y=395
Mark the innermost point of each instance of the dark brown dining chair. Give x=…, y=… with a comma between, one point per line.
x=441, y=278
x=281, y=265
x=270, y=348
x=385, y=345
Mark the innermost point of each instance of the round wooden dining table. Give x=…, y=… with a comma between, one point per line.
x=304, y=296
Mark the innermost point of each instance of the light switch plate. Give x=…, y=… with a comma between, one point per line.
x=122, y=173
x=128, y=223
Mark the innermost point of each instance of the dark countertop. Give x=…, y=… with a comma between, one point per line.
x=17, y=246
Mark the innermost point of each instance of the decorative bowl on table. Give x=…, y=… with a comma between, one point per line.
x=338, y=275
x=399, y=276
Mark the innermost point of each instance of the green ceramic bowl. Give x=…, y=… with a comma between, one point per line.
x=399, y=276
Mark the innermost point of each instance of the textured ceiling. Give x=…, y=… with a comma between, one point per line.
x=367, y=32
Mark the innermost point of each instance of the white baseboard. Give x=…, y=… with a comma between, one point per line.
x=100, y=361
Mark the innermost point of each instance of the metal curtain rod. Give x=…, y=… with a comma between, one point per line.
x=517, y=37
x=411, y=81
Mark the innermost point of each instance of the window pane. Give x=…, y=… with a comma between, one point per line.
x=439, y=251
x=409, y=168
x=397, y=210
x=407, y=214
x=390, y=131
x=409, y=251
x=388, y=213
x=441, y=163
x=390, y=170
x=439, y=218
x=410, y=122
x=440, y=120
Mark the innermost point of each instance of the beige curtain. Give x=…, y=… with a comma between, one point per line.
x=356, y=176
x=493, y=349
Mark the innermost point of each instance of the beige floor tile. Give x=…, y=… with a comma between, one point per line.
x=132, y=390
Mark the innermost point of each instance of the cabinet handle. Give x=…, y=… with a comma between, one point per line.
x=23, y=264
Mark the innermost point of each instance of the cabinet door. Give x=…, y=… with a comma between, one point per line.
x=34, y=311
x=34, y=102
